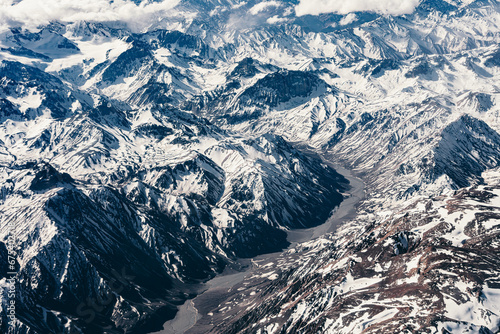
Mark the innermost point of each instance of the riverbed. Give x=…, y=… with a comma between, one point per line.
x=220, y=287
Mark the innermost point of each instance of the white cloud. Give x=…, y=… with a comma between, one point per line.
x=395, y=7
x=241, y=4
x=32, y=13
x=348, y=19
x=276, y=19
x=262, y=6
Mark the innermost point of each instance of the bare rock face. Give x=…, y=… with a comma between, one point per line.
x=280, y=87
x=245, y=68
x=467, y=148
x=48, y=177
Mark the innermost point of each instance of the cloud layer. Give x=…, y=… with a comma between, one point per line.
x=262, y=6
x=32, y=13
x=394, y=7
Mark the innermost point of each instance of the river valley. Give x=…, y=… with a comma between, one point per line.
x=195, y=316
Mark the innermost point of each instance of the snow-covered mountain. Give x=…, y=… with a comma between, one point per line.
x=137, y=163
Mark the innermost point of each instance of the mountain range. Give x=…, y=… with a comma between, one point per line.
x=138, y=163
